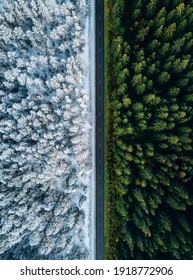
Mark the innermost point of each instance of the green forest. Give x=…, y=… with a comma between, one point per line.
x=149, y=129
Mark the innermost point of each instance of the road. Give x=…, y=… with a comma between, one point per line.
x=99, y=129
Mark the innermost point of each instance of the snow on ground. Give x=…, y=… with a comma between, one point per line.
x=47, y=116
x=91, y=80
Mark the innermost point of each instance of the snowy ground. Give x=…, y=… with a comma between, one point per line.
x=47, y=130
x=92, y=81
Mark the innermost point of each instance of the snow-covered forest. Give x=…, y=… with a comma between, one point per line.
x=45, y=130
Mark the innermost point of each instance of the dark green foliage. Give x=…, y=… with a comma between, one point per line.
x=151, y=98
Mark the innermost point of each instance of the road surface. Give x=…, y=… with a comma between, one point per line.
x=99, y=129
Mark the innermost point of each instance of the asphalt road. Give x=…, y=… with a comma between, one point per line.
x=99, y=129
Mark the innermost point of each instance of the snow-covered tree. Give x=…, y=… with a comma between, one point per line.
x=44, y=129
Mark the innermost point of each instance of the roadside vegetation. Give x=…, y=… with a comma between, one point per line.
x=149, y=158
